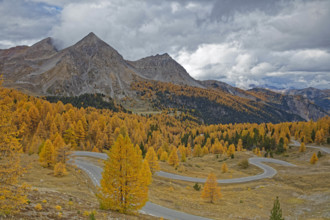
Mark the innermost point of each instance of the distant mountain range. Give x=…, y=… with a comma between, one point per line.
x=92, y=66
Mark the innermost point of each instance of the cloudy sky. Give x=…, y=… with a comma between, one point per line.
x=280, y=43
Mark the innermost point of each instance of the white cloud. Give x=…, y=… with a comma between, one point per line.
x=239, y=42
x=243, y=68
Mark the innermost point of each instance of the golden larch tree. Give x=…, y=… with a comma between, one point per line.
x=12, y=195
x=224, y=168
x=197, y=152
x=183, y=157
x=47, y=153
x=70, y=138
x=240, y=145
x=188, y=150
x=34, y=118
x=231, y=150
x=122, y=188
x=145, y=173
x=173, y=159
x=319, y=136
x=211, y=191
x=95, y=149
x=59, y=169
x=314, y=159
x=152, y=159
x=164, y=156
x=159, y=152
x=80, y=132
x=205, y=150
x=302, y=147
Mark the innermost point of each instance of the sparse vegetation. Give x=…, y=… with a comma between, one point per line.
x=38, y=207
x=211, y=191
x=197, y=187
x=302, y=147
x=224, y=168
x=59, y=169
x=276, y=213
x=244, y=164
x=314, y=159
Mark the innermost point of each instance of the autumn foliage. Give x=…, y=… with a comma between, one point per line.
x=173, y=159
x=12, y=194
x=33, y=125
x=211, y=191
x=152, y=159
x=314, y=159
x=125, y=180
x=224, y=168
x=302, y=147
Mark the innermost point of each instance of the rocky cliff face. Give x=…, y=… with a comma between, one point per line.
x=89, y=66
x=213, y=84
x=163, y=68
x=297, y=105
x=317, y=96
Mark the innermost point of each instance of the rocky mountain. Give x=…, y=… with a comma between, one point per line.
x=217, y=85
x=293, y=104
x=89, y=66
x=164, y=69
x=92, y=66
x=318, y=96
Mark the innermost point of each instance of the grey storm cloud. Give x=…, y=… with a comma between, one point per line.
x=244, y=43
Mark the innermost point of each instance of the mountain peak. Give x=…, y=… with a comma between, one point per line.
x=91, y=35
x=41, y=49
x=91, y=38
x=91, y=44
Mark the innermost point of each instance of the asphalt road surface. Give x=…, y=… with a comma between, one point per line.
x=95, y=173
x=324, y=149
x=268, y=172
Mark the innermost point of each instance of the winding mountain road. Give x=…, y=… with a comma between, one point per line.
x=268, y=172
x=95, y=173
x=324, y=149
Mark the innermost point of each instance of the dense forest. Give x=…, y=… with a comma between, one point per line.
x=37, y=120
x=214, y=106
x=88, y=100
x=36, y=126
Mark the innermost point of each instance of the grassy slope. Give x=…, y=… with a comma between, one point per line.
x=303, y=192
x=76, y=186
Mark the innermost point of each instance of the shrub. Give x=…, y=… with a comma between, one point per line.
x=224, y=168
x=319, y=154
x=197, y=187
x=244, y=164
x=59, y=169
x=92, y=215
x=38, y=207
x=314, y=159
x=58, y=208
x=276, y=212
